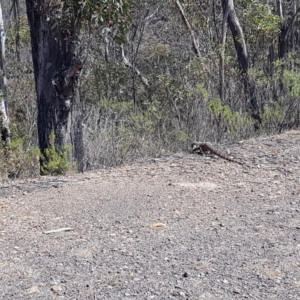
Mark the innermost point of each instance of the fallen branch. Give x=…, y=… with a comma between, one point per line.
x=59, y=230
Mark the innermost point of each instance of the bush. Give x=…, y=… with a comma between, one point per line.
x=55, y=162
x=19, y=159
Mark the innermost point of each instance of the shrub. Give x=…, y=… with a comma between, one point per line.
x=19, y=159
x=55, y=162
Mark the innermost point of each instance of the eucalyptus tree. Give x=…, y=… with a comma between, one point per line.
x=242, y=54
x=60, y=34
x=4, y=119
x=288, y=33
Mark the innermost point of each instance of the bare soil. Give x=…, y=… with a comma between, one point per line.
x=177, y=227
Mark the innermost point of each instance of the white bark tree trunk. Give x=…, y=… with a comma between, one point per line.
x=4, y=119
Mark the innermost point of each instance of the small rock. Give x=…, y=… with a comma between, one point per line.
x=34, y=289
x=207, y=296
x=259, y=228
x=236, y=290
x=157, y=225
x=56, y=288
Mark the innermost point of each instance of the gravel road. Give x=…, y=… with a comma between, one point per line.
x=177, y=227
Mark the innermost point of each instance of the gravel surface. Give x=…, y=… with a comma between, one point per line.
x=178, y=227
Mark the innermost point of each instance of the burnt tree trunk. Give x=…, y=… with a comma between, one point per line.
x=56, y=70
x=284, y=43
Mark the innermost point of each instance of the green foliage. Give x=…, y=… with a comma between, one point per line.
x=140, y=122
x=196, y=67
x=291, y=81
x=159, y=51
x=181, y=136
x=124, y=119
x=199, y=90
x=217, y=108
x=260, y=18
x=115, y=105
x=273, y=115
x=223, y=113
x=69, y=15
x=272, y=112
x=55, y=162
x=18, y=35
x=19, y=159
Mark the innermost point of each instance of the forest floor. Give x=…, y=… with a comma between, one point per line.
x=177, y=227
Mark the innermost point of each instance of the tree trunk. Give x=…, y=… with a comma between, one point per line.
x=222, y=55
x=4, y=119
x=283, y=44
x=282, y=40
x=189, y=27
x=241, y=50
x=285, y=27
x=56, y=71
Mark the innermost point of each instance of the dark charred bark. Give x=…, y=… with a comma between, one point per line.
x=284, y=46
x=285, y=28
x=56, y=70
x=282, y=41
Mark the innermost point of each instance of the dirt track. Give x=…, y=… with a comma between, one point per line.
x=179, y=227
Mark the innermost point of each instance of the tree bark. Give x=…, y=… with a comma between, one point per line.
x=222, y=55
x=187, y=23
x=4, y=118
x=242, y=55
x=285, y=27
x=282, y=41
x=56, y=69
x=128, y=64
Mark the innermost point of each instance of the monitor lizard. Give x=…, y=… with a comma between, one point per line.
x=206, y=147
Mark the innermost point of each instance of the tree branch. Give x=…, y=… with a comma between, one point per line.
x=195, y=44
x=129, y=65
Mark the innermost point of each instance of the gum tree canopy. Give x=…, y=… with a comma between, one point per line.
x=59, y=34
